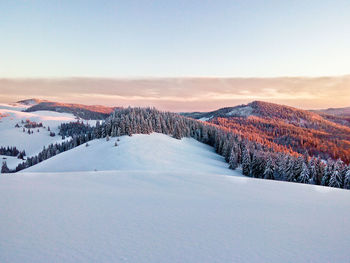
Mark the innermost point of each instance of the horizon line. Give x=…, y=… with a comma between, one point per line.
x=171, y=77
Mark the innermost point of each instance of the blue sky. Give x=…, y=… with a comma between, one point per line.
x=174, y=38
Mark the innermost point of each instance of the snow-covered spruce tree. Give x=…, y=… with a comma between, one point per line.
x=347, y=179
x=304, y=176
x=257, y=165
x=288, y=169
x=313, y=171
x=269, y=170
x=328, y=171
x=233, y=160
x=319, y=167
x=246, y=163
x=278, y=173
x=4, y=168
x=336, y=179
x=298, y=167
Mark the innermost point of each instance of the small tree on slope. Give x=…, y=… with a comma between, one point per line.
x=246, y=163
x=269, y=171
x=336, y=176
x=335, y=180
x=347, y=179
x=233, y=160
x=4, y=168
x=304, y=176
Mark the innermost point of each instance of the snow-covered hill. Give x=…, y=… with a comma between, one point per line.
x=12, y=114
x=31, y=143
x=168, y=216
x=154, y=152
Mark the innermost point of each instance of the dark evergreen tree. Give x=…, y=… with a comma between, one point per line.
x=269, y=170
x=246, y=162
x=4, y=168
x=304, y=176
x=347, y=179
x=233, y=160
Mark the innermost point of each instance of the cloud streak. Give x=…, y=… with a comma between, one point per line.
x=183, y=94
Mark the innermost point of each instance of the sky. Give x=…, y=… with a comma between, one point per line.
x=160, y=39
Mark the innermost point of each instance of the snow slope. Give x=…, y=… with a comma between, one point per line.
x=154, y=152
x=10, y=160
x=12, y=114
x=149, y=216
x=31, y=143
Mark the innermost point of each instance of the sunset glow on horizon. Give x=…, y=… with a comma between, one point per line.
x=183, y=94
x=176, y=55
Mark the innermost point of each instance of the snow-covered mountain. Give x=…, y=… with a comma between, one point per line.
x=315, y=132
x=87, y=112
x=31, y=102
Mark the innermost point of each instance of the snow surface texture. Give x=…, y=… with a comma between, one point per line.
x=154, y=152
x=169, y=217
x=31, y=143
x=241, y=111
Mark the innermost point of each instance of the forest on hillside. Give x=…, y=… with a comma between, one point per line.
x=281, y=126
x=256, y=158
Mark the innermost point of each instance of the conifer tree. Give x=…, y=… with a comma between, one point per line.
x=233, y=160
x=327, y=174
x=336, y=176
x=246, y=162
x=298, y=167
x=347, y=179
x=335, y=180
x=288, y=169
x=269, y=171
x=304, y=176
x=4, y=168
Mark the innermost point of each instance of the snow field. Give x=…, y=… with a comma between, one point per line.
x=152, y=216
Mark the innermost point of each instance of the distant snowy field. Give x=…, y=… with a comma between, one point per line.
x=31, y=143
x=147, y=216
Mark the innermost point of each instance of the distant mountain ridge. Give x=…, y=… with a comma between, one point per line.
x=301, y=130
x=264, y=109
x=31, y=101
x=342, y=112
x=87, y=112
